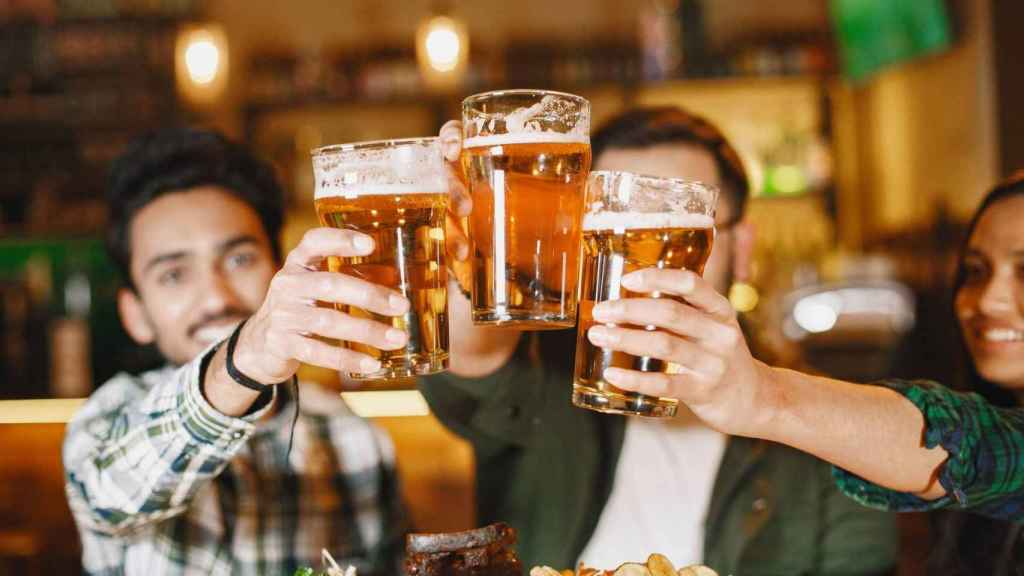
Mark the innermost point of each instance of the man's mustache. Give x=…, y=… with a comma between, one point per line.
x=225, y=315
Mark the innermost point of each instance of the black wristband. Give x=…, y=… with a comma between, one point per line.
x=235, y=373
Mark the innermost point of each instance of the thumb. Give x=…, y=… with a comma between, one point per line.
x=451, y=140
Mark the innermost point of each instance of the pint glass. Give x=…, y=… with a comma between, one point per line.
x=396, y=192
x=633, y=222
x=526, y=156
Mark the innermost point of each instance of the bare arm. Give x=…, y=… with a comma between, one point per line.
x=872, y=432
x=476, y=352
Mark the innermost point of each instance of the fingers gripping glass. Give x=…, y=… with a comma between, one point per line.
x=633, y=222
x=395, y=191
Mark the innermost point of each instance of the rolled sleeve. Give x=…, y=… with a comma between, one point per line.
x=141, y=447
x=983, y=471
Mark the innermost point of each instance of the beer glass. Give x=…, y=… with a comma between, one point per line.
x=526, y=156
x=395, y=191
x=633, y=222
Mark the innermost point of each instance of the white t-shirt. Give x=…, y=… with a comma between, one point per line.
x=659, y=501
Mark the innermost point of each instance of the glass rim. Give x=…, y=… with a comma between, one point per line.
x=382, y=143
x=468, y=100
x=715, y=190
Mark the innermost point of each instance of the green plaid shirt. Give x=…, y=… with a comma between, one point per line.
x=985, y=469
x=160, y=482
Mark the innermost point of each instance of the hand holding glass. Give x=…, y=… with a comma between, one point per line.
x=633, y=222
x=397, y=192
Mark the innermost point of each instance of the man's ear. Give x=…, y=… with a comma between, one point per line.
x=134, y=318
x=743, y=234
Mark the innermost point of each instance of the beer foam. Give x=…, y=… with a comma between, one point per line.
x=385, y=168
x=531, y=124
x=525, y=138
x=644, y=221
x=330, y=189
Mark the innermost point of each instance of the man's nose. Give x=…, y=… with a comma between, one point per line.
x=218, y=293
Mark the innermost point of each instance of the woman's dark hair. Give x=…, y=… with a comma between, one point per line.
x=968, y=544
x=647, y=127
x=182, y=158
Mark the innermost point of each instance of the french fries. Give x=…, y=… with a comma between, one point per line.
x=657, y=565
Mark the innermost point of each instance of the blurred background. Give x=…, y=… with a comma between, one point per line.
x=871, y=129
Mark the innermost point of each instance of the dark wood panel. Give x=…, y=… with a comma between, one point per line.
x=1009, y=49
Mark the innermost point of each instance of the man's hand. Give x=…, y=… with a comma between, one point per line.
x=282, y=333
x=718, y=378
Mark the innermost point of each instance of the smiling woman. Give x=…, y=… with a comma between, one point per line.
x=989, y=305
x=990, y=291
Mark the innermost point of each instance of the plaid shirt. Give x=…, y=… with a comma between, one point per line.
x=160, y=482
x=985, y=469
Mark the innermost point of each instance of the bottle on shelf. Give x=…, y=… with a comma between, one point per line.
x=70, y=338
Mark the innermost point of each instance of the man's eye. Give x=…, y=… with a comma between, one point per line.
x=171, y=277
x=241, y=260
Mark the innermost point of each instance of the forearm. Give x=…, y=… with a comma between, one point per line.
x=870, y=431
x=224, y=394
x=476, y=351
x=898, y=446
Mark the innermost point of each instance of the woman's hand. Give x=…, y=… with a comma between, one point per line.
x=715, y=374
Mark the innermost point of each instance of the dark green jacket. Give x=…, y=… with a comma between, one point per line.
x=547, y=468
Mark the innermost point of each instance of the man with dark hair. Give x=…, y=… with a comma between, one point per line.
x=603, y=489
x=208, y=466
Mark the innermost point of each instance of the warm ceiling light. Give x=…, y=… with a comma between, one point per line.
x=202, y=59
x=443, y=45
x=201, y=63
x=442, y=48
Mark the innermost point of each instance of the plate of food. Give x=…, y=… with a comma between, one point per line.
x=490, y=551
x=656, y=565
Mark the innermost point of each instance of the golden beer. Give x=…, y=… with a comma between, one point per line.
x=527, y=190
x=615, y=244
x=525, y=227
x=406, y=220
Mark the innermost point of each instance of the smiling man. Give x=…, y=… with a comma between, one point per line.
x=207, y=466
x=179, y=313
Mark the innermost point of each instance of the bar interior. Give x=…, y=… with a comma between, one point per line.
x=869, y=132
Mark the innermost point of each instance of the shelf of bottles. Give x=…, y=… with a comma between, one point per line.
x=59, y=331
x=78, y=79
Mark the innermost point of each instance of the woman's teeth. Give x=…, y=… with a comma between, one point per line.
x=1002, y=335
